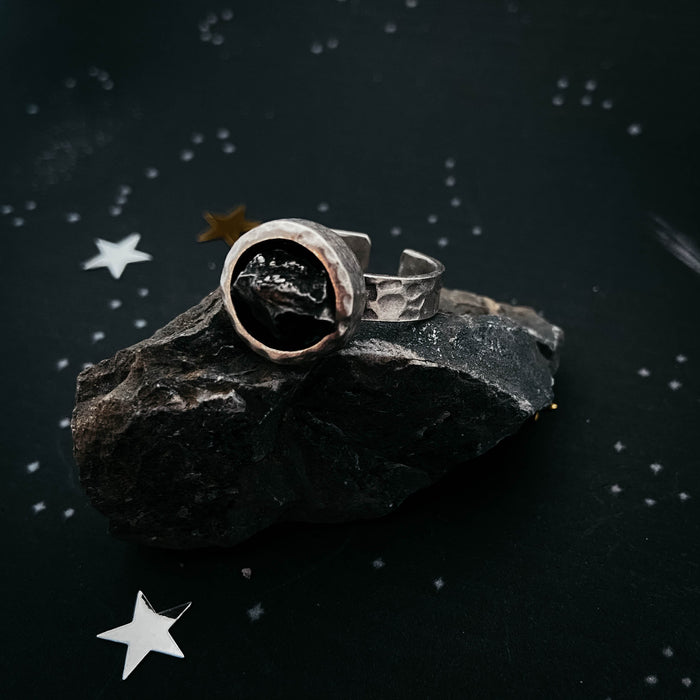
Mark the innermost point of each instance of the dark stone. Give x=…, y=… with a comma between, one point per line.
x=188, y=439
x=283, y=296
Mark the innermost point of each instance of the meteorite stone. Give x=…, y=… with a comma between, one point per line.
x=283, y=296
x=188, y=439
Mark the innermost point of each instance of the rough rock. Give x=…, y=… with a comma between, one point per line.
x=188, y=439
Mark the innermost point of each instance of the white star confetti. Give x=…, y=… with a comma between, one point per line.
x=655, y=467
x=115, y=303
x=116, y=256
x=618, y=447
x=62, y=363
x=68, y=513
x=650, y=502
x=72, y=217
x=140, y=323
x=684, y=496
x=643, y=372
x=438, y=583
x=634, y=129
x=615, y=489
x=681, y=359
x=378, y=564
x=97, y=336
x=256, y=612
x=674, y=385
x=651, y=680
x=147, y=631
x=667, y=652
x=64, y=423
x=32, y=467
x=38, y=507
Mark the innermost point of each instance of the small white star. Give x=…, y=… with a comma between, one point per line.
x=147, y=631
x=256, y=612
x=643, y=372
x=618, y=446
x=38, y=507
x=378, y=563
x=655, y=467
x=116, y=256
x=438, y=583
x=32, y=467
x=615, y=489
x=681, y=359
x=674, y=385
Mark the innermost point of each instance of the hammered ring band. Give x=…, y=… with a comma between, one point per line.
x=296, y=290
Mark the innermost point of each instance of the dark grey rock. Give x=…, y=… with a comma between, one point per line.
x=188, y=439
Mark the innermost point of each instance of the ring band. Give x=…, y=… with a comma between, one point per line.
x=296, y=290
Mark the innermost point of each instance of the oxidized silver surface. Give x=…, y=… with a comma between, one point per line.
x=412, y=295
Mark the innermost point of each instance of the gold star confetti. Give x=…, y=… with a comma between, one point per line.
x=230, y=227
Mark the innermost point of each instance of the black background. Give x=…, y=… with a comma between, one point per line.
x=554, y=585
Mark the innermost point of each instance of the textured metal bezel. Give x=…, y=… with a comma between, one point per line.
x=341, y=265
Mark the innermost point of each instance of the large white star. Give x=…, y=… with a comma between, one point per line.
x=147, y=631
x=116, y=256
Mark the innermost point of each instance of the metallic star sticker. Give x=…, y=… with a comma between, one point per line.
x=116, y=256
x=229, y=227
x=147, y=631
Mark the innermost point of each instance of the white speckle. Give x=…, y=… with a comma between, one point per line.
x=115, y=303
x=212, y=265
x=32, y=467
x=18, y=221
x=140, y=323
x=102, y=76
x=228, y=147
x=70, y=83
x=205, y=36
x=378, y=563
x=390, y=27
x=438, y=583
x=674, y=385
x=667, y=652
x=686, y=682
x=618, y=447
x=656, y=467
x=586, y=100
x=476, y=230
x=395, y=231
x=115, y=210
x=64, y=423
x=38, y=507
x=455, y=202
x=442, y=242
x=222, y=133
x=681, y=359
x=68, y=513
x=643, y=372
x=450, y=163
x=316, y=47
x=558, y=100
x=563, y=82
x=97, y=336
x=186, y=155
x=256, y=612
x=151, y=173
x=124, y=190
x=634, y=129
x=411, y=3
x=651, y=680
x=87, y=365
x=615, y=489
x=93, y=71
x=211, y=18
x=142, y=291
x=217, y=39
x=432, y=218
x=607, y=104
x=450, y=181
x=247, y=572
x=684, y=495
x=7, y=209
x=227, y=14
x=323, y=206
x=332, y=42
x=30, y=205
x=32, y=108
x=591, y=85
x=650, y=502
x=121, y=199
x=197, y=138
x=62, y=363
x=108, y=85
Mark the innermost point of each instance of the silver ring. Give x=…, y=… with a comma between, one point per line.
x=296, y=290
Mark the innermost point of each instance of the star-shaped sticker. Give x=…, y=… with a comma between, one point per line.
x=147, y=631
x=116, y=256
x=229, y=227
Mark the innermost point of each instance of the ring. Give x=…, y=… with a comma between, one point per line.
x=296, y=290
